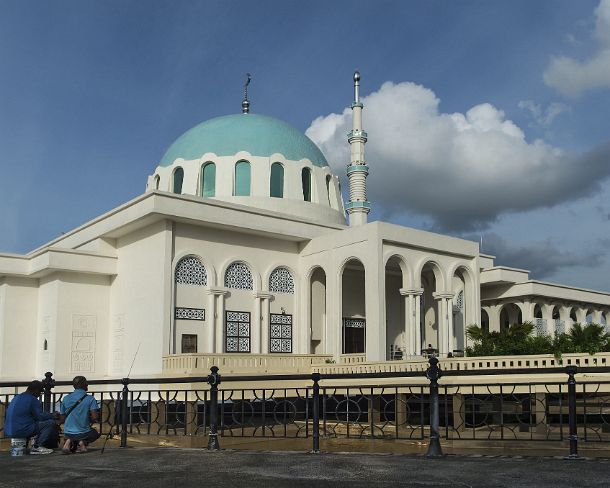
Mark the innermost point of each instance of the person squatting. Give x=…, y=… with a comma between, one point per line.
x=26, y=419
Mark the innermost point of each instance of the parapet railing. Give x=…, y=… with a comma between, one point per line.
x=234, y=362
x=330, y=406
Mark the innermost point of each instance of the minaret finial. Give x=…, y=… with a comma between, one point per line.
x=245, y=105
x=356, y=86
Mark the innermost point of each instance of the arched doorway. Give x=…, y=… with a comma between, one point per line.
x=353, y=308
x=462, y=286
x=396, y=339
x=317, y=289
x=431, y=282
x=510, y=315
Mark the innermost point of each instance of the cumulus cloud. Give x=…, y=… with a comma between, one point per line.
x=543, y=117
x=572, y=77
x=541, y=258
x=462, y=169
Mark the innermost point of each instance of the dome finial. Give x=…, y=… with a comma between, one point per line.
x=245, y=105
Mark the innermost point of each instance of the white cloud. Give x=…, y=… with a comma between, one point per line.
x=543, y=117
x=572, y=77
x=463, y=170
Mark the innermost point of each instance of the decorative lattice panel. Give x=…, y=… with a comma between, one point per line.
x=190, y=271
x=280, y=333
x=239, y=277
x=355, y=323
x=185, y=313
x=237, y=331
x=459, y=302
x=281, y=281
x=540, y=325
x=560, y=326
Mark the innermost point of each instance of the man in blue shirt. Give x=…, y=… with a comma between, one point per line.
x=79, y=411
x=25, y=418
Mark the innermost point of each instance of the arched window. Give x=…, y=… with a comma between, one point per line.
x=208, y=180
x=281, y=281
x=328, y=179
x=157, y=181
x=242, y=179
x=238, y=277
x=306, y=179
x=190, y=271
x=178, y=178
x=276, y=183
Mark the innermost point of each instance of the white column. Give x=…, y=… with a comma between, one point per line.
x=449, y=310
x=547, y=314
x=256, y=332
x=528, y=314
x=412, y=328
x=418, y=338
x=211, y=323
x=597, y=317
x=493, y=314
x=444, y=321
x=564, y=315
x=265, y=328
x=220, y=320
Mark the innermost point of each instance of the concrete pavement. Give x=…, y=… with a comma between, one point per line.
x=179, y=467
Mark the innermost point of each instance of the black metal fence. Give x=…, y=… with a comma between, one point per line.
x=330, y=408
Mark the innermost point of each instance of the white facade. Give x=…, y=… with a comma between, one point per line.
x=170, y=273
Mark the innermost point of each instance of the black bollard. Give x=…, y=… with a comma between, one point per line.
x=47, y=385
x=124, y=397
x=316, y=413
x=571, y=371
x=213, y=381
x=433, y=373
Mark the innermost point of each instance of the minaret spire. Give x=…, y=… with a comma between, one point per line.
x=358, y=206
x=245, y=104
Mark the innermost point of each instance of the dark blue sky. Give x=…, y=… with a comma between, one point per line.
x=93, y=92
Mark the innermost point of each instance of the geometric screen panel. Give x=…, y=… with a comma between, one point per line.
x=237, y=331
x=280, y=333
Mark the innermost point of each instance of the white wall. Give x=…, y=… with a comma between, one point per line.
x=140, y=301
x=18, y=341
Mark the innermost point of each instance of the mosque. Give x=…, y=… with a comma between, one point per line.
x=240, y=248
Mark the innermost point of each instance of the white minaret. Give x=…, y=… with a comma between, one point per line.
x=358, y=206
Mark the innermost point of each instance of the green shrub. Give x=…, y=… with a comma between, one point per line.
x=519, y=339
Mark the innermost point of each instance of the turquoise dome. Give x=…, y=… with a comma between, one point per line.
x=257, y=134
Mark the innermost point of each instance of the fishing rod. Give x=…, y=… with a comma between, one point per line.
x=117, y=405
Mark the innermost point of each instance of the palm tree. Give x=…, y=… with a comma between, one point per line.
x=475, y=333
x=589, y=338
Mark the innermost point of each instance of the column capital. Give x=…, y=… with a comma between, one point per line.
x=217, y=291
x=411, y=291
x=262, y=294
x=441, y=295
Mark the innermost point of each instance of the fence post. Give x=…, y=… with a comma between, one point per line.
x=316, y=413
x=47, y=385
x=124, y=397
x=433, y=373
x=213, y=380
x=571, y=371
